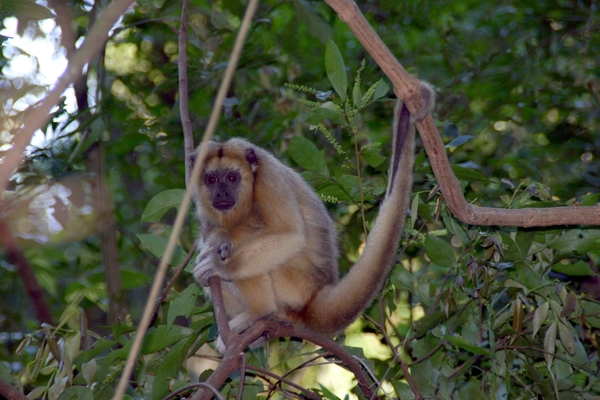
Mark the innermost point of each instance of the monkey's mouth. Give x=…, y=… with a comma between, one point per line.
x=223, y=205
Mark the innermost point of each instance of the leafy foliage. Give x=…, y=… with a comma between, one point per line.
x=473, y=312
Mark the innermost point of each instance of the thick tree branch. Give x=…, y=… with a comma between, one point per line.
x=10, y=392
x=272, y=329
x=408, y=89
x=236, y=345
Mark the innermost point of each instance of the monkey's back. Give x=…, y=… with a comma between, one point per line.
x=321, y=246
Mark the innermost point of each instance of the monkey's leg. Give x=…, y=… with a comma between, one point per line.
x=258, y=296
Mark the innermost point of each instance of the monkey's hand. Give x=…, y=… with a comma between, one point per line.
x=211, y=262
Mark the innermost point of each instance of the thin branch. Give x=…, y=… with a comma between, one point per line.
x=39, y=114
x=227, y=336
x=407, y=88
x=177, y=226
x=273, y=329
x=167, y=288
x=186, y=124
x=32, y=288
x=243, y=368
x=381, y=325
x=279, y=379
x=192, y=386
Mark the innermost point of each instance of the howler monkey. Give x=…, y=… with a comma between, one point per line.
x=267, y=235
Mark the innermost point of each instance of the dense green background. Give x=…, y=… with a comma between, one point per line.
x=480, y=309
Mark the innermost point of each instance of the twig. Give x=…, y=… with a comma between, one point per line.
x=242, y=377
x=32, y=288
x=272, y=329
x=407, y=88
x=381, y=325
x=167, y=288
x=192, y=386
x=279, y=378
x=186, y=124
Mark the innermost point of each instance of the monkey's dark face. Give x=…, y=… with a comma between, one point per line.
x=223, y=186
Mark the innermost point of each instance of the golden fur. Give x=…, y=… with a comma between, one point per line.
x=276, y=249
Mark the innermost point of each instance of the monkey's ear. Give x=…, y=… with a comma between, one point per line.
x=252, y=159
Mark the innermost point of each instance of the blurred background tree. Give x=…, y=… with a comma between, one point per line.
x=517, y=83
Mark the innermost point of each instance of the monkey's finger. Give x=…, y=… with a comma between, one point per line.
x=224, y=251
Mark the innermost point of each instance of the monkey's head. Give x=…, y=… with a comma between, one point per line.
x=225, y=187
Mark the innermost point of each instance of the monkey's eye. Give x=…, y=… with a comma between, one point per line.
x=211, y=180
x=231, y=178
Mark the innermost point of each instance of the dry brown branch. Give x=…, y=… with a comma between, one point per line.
x=16, y=257
x=280, y=379
x=407, y=88
x=186, y=124
x=179, y=219
x=167, y=288
x=232, y=360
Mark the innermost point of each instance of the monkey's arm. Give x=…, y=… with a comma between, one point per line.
x=281, y=239
x=216, y=247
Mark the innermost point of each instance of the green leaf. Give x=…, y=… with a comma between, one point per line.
x=76, y=393
x=539, y=317
x=373, y=157
x=184, y=304
x=350, y=183
x=566, y=337
x=439, y=251
x=567, y=241
x=357, y=96
x=337, y=192
x=157, y=245
x=459, y=141
x=414, y=211
x=580, y=268
x=308, y=156
x=402, y=279
x=162, y=337
x=428, y=322
x=590, y=199
x=316, y=115
x=468, y=174
x=134, y=279
x=550, y=344
x=336, y=69
x=161, y=203
x=382, y=89
x=463, y=344
x=317, y=26
x=98, y=348
x=26, y=9
x=329, y=395
x=169, y=367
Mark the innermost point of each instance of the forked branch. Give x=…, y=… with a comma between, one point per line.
x=232, y=360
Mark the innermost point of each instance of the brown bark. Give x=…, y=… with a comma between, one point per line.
x=10, y=392
x=32, y=288
x=108, y=237
x=407, y=88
